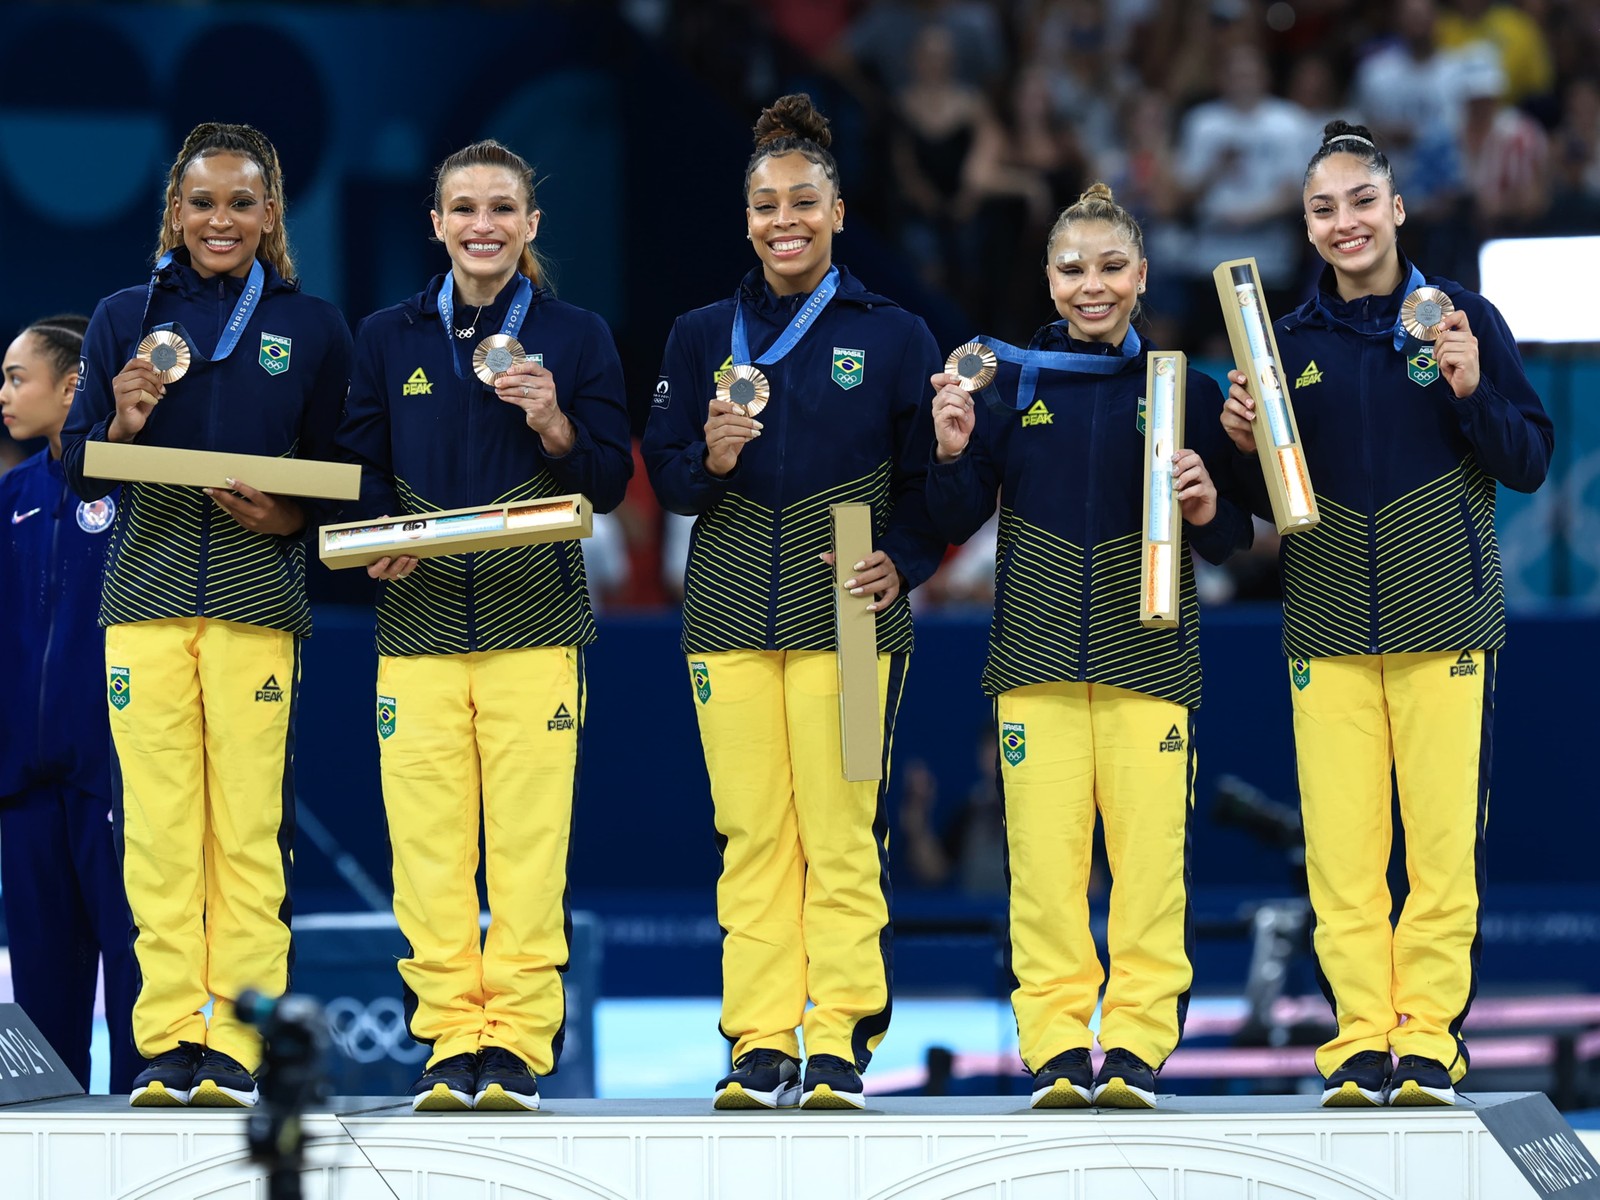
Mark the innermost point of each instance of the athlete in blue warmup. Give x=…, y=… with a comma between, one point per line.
x=64, y=904
x=803, y=895
x=1413, y=407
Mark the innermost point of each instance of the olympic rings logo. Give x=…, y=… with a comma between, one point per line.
x=371, y=1032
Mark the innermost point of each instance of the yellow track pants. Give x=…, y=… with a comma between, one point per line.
x=1068, y=750
x=490, y=736
x=1428, y=718
x=202, y=717
x=803, y=899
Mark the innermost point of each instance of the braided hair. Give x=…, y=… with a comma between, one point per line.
x=60, y=340
x=792, y=125
x=214, y=137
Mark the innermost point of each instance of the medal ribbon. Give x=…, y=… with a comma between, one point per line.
x=1398, y=333
x=797, y=329
x=254, y=286
x=1034, y=361
x=521, y=301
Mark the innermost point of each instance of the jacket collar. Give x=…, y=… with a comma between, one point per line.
x=426, y=302
x=181, y=277
x=1370, y=316
x=755, y=292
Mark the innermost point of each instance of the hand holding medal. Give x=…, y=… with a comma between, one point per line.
x=136, y=389
x=1428, y=315
x=970, y=368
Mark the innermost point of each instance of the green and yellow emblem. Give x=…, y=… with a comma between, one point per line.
x=119, y=689
x=386, y=716
x=1300, y=672
x=1139, y=415
x=1422, y=368
x=275, y=353
x=702, y=681
x=1013, y=742
x=1312, y=374
x=848, y=366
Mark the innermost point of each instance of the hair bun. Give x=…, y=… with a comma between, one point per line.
x=1343, y=132
x=792, y=116
x=1097, y=191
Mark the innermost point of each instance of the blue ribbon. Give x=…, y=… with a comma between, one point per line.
x=521, y=301
x=797, y=328
x=1401, y=337
x=1034, y=361
x=254, y=286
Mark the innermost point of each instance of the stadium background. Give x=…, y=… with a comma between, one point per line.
x=636, y=115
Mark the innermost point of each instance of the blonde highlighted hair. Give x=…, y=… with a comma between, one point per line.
x=1098, y=204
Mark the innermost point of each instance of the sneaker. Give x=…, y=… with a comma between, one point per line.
x=222, y=1082
x=1418, y=1082
x=450, y=1085
x=168, y=1078
x=1066, y=1081
x=760, y=1079
x=831, y=1082
x=505, y=1082
x=1125, y=1081
x=1362, y=1081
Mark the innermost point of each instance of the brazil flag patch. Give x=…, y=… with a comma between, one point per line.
x=848, y=367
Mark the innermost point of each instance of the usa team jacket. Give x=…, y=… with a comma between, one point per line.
x=1068, y=471
x=52, y=653
x=1404, y=559
x=428, y=439
x=849, y=421
x=173, y=552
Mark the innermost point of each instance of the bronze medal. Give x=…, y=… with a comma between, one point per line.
x=496, y=355
x=975, y=363
x=746, y=388
x=1423, y=312
x=168, y=353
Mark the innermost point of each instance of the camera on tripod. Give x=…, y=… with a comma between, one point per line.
x=294, y=1031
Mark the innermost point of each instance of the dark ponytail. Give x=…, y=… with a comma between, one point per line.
x=1341, y=137
x=792, y=125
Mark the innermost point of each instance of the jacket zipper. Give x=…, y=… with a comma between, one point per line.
x=1089, y=527
x=206, y=510
x=1371, y=352
x=51, y=590
x=467, y=455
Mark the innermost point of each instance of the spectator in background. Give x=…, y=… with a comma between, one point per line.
x=1141, y=168
x=1505, y=159
x=1517, y=38
x=879, y=50
x=65, y=906
x=1239, y=166
x=1575, y=183
x=970, y=849
x=950, y=166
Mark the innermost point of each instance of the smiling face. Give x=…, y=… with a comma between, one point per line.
x=792, y=211
x=222, y=210
x=484, y=222
x=33, y=399
x=1095, y=274
x=1352, y=218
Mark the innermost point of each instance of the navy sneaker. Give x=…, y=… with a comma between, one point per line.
x=1066, y=1081
x=1362, y=1081
x=222, y=1082
x=831, y=1082
x=760, y=1079
x=1420, y=1082
x=450, y=1085
x=1125, y=1081
x=168, y=1078
x=505, y=1082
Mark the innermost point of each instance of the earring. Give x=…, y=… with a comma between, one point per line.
x=747, y=236
x=1141, y=289
x=839, y=228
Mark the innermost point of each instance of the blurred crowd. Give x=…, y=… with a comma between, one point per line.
x=963, y=126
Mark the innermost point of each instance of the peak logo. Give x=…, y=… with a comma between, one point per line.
x=562, y=719
x=417, y=385
x=270, y=692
